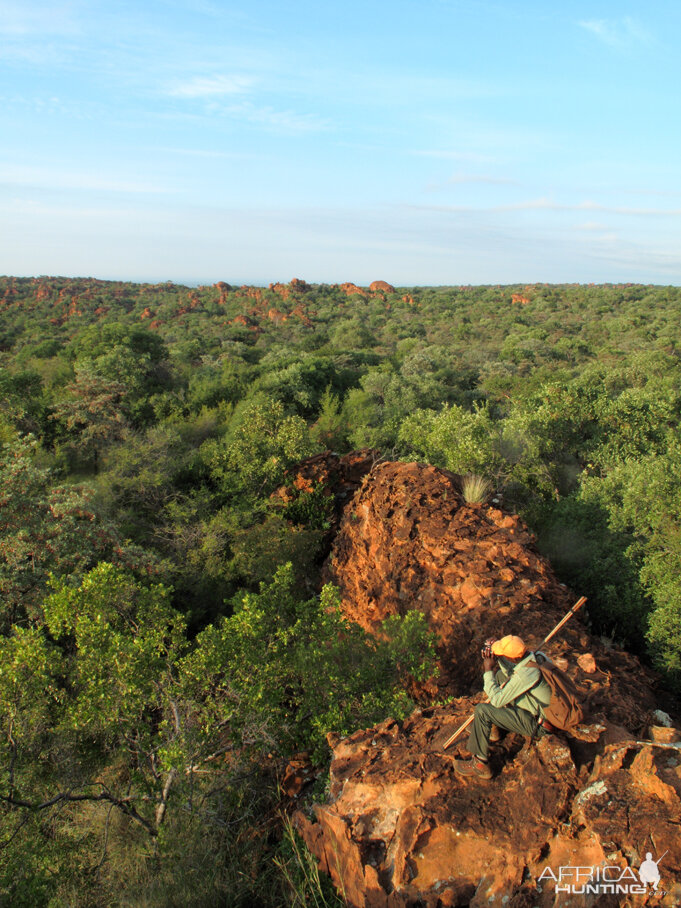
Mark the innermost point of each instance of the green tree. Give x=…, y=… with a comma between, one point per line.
x=262, y=442
x=106, y=693
x=642, y=499
x=283, y=672
x=129, y=355
x=464, y=441
x=91, y=412
x=330, y=429
x=46, y=528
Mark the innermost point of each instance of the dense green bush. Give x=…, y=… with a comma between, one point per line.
x=152, y=634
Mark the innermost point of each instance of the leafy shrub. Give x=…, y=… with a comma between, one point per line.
x=285, y=672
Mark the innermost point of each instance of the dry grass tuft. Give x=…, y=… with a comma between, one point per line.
x=475, y=489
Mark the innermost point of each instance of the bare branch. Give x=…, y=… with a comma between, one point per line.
x=106, y=839
x=161, y=809
x=65, y=797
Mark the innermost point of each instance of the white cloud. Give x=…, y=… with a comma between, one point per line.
x=212, y=90
x=22, y=20
x=205, y=153
x=52, y=178
x=617, y=32
x=469, y=179
x=279, y=120
x=441, y=154
x=590, y=226
x=547, y=204
x=212, y=86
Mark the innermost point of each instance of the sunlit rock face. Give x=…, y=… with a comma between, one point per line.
x=400, y=827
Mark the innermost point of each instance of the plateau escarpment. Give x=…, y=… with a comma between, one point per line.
x=400, y=826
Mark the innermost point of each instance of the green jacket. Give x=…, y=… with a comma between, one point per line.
x=523, y=686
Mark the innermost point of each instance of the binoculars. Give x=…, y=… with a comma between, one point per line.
x=487, y=648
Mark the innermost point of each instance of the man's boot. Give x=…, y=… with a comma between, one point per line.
x=474, y=768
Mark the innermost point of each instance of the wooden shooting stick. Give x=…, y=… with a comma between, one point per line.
x=566, y=618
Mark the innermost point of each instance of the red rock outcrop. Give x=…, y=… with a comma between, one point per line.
x=410, y=541
x=9, y=294
x=73, y=308
x=224, y=289
x=339, y=478
x=352, y=289
x=244, y=320
x=254, y=293
x=44, y=291
x=381, y=287
x=401, y=828
x=300, y=313
x=283, y=290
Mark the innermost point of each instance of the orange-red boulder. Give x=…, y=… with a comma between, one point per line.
x=352, y=289
x=401, y=828
x=299, y=286
x=409, y=540
x=338, y=476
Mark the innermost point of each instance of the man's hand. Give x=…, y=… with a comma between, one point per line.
x=488, y=664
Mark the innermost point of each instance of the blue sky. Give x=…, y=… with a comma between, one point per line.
x=416, y=141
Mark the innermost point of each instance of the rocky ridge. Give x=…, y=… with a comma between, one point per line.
x=338, y=477
x=401, y=828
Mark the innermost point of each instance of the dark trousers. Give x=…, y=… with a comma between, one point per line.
x=509, y=718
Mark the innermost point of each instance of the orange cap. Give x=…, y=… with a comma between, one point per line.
x=510, y=646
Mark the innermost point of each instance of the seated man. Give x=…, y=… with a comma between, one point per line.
x=517, y=696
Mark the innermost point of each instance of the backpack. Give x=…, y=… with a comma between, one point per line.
x=564, y=711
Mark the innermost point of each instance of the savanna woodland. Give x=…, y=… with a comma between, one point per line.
x=166, y=642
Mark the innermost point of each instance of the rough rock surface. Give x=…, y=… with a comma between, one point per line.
x=352, y=289
x=339, y=477
x=401, y=828
x=408, y=540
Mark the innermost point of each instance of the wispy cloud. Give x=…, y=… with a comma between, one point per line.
x=589, y=205
x=590, y=226
x=22, y=20
x=469, y=179
x=211, y=86
x=444, y=155
x=53, y=178
x=278, y=120
x=208, y=153
x=214, y=91
x=620, y=33
x=547, y=204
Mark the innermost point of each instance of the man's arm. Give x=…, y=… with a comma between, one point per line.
x=514, y=687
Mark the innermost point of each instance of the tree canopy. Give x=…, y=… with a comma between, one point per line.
x=166, y=642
